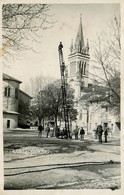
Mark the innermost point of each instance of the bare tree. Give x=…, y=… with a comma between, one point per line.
x=107, y=56
x=22, y=26
x=36, y=84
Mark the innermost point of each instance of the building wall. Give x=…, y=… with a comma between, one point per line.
x=99, y=115
x=25, y=98
x=10, y=103
x=13, y=120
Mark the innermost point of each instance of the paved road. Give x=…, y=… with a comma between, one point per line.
x=49, y=163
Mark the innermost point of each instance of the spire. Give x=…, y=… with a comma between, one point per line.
x=71, y=47
x=79, y=42
x=87, y=47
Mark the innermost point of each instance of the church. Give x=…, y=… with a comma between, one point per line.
x=90, y=99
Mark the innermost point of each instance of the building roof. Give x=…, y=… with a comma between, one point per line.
x=94, y=93
x=10, y=112
x=7, y=77
x=25, y=94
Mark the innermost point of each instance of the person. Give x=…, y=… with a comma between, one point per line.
x=51, y=131
x=65, y=133
x=47, y=130
x=82, y=132
x=40, y=129
x=57, y=132
x=96, y=133
x=100, y=131
x=106, y=134
x=76, y=133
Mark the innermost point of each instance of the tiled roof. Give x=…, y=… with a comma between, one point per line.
x=94, y=93
x=7, y=77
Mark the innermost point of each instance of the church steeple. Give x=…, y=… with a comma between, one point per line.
x=87, y=47
x=79, y=42
x=71, y=47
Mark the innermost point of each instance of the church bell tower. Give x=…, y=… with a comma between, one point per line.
x=78, y=66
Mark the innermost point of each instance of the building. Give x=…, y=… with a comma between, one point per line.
x=90, y=99
x=15, y=102
x=10, y=101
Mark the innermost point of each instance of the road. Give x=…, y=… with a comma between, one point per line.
x=50, y=163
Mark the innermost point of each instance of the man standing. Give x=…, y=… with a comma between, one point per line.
x=47, y=130
x=100, y=131
x=106, y=134
x=40, y=129
x=82, y=132
x=76, y=133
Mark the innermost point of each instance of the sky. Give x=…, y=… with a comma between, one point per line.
x=95, y=18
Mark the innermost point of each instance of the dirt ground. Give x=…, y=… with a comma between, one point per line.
x=50, y=163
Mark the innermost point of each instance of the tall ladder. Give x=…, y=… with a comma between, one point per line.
x=63, y=87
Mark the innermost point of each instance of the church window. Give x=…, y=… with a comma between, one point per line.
x=85, y=68
x=82, y=67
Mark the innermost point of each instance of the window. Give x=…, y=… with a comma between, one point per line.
x=7, y=91
x=85, y=68
x=16, y=93
x=8, y=123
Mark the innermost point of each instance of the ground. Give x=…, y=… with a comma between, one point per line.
x=50, y=163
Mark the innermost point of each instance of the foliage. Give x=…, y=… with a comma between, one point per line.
x=48, y=102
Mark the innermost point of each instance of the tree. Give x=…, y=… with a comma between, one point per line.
x=36, y=84
x=107, y=51
x=22, y=25
x=48, y=103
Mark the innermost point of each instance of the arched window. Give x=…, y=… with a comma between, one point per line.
x=82, y=67
x=85, y=68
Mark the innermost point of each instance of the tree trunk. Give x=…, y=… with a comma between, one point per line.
x=55, y=121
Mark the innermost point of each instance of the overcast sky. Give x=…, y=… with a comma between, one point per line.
x=95, y=18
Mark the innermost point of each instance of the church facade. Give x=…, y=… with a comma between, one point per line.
x=90, y=99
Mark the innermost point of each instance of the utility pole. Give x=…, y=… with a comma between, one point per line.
x=63, y=88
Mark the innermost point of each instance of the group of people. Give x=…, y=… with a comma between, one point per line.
x=99, y=132
x=63, y=133
x=80, y=131
x=47, y=129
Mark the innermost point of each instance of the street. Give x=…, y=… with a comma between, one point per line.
x=50, y=163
